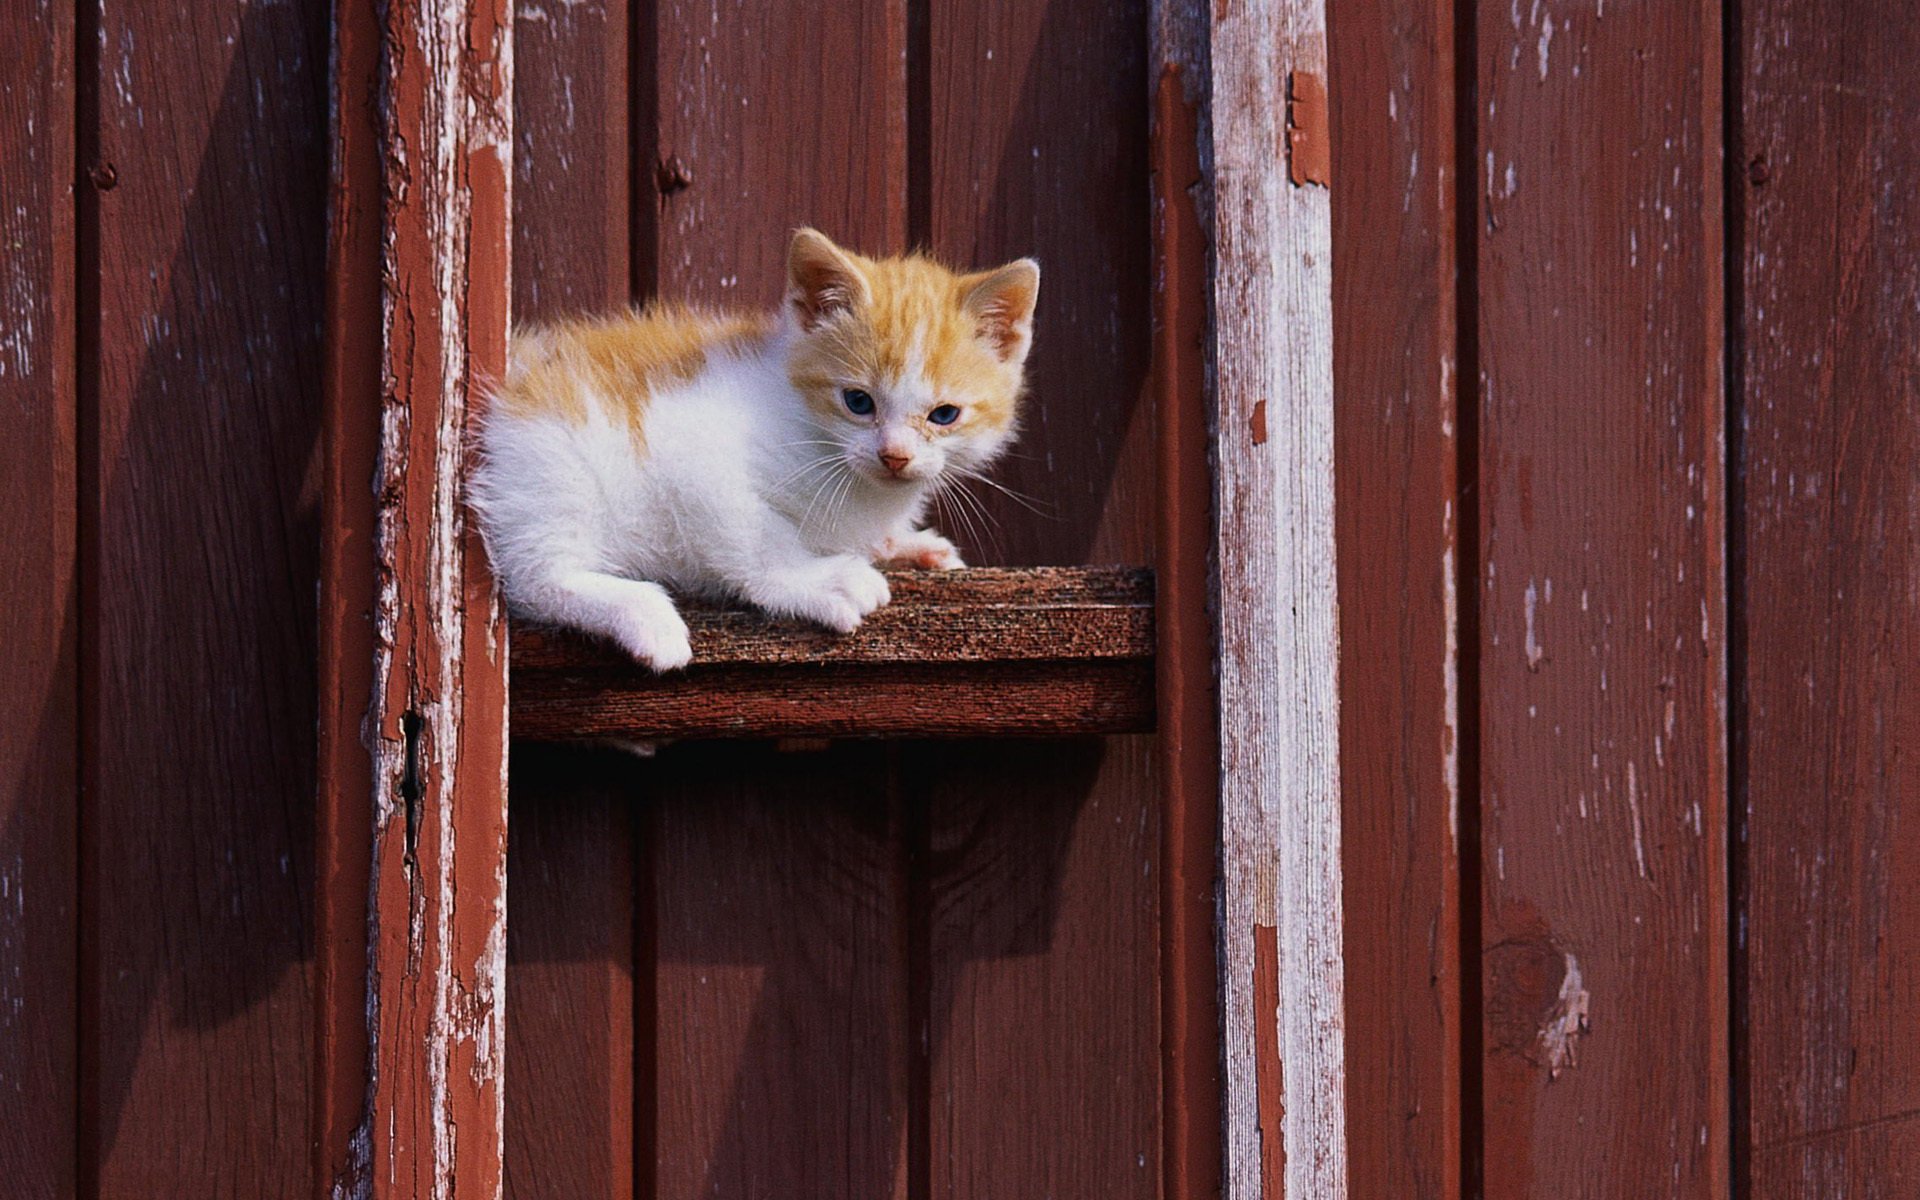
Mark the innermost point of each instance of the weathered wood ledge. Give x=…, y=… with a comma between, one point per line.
x=1038, y=652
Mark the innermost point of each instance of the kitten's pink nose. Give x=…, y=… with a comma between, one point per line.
x=895, y=462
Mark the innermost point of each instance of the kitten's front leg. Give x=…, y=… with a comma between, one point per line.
x=922, y=548
x=775, y=571
x=837, y=591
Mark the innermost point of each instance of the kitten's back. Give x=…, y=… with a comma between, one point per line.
x=619, y=362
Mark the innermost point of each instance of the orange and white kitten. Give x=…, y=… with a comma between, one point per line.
x=772, y=459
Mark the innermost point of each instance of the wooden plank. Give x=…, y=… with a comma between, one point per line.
x=1602, y=617
x=570, y=945
x=1016, y=700
x=1395, y=341
x=202, y=143
x=1035, y=143
x=430, y=1118
x=1279, y=700
x=777, y=920
x=747, y=152
x=777, y=1002
x=1040, y=860
x=39, y=698
x=1040, y=897
x=972, y=615
x=350, y=454
x=1828, y=551
x=1188, y=721
x=570, y=909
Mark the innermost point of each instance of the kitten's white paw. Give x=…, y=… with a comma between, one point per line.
x=655, y=638
x=837, y=592
x=922, y=548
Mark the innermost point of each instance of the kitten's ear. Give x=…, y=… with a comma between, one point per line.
x=1002, y=301
x=822, y=279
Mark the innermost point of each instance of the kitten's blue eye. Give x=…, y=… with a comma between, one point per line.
x=946, y=414
x=858, y=402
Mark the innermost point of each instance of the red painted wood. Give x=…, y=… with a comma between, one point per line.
x=570, y=895
x=1600, y=593
x=1043, y=878
x=350, y=449
x=776, y=908
x=570, y=981
x=1829, y=464
x=39, y=713
x=437, y=717
x=1189, y=741
x=1399, y=514
x=1036, y=144
x=204, y=146
x=415, y=747
x=788, y=117
x=772, y=889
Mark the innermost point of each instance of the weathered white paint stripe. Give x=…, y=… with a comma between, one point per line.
x=1279, y=701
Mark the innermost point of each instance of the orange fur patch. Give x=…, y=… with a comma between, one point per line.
x=619, y=360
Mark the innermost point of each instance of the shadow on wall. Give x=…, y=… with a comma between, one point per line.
x=806, y=1073
x=1068, y=183
x=199, y=555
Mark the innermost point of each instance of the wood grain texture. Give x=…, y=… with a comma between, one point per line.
x=571, y=909
x=772, y=898
x=972, y=615
x=777, y=917
x=1187, y=717
x=430, y=1121
x=1279, y=638
x=350, y=449
x=1035, y=143
x=1601, y=597
x=203, y=148
x=1395, y=342
x=1044, y=1072
x=1040, y=910
x=570, y=980
x=39, y=697
x=1019, y=699
x=771, y=118
x=1829, y=466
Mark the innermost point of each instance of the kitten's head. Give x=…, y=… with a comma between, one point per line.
x=910, y=370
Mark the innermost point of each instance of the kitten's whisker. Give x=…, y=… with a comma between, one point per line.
x=820, y=490
x=794, y=477
x=1032, y=505
x=967, y=507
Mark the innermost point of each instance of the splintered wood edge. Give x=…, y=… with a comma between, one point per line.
x=1050, y=651
x=973, y=615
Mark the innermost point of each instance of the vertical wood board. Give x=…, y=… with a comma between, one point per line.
x=202, y=144
x=1041, y=863
x=1279, y=638
x=572, y=906
x=773, y=898
x=432, y=849
x=1395, y=342
x=39, y=696
x=1601, y=600
x=1828, y=566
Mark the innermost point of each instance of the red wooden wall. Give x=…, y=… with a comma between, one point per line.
x=907, y=970
x=1629, y=470
x=1629, y=445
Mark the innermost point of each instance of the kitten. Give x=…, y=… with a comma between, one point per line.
x=772, y=459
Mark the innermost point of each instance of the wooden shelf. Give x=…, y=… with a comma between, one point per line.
x=1045, y=651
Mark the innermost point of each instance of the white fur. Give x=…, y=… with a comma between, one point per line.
x=741, y=492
